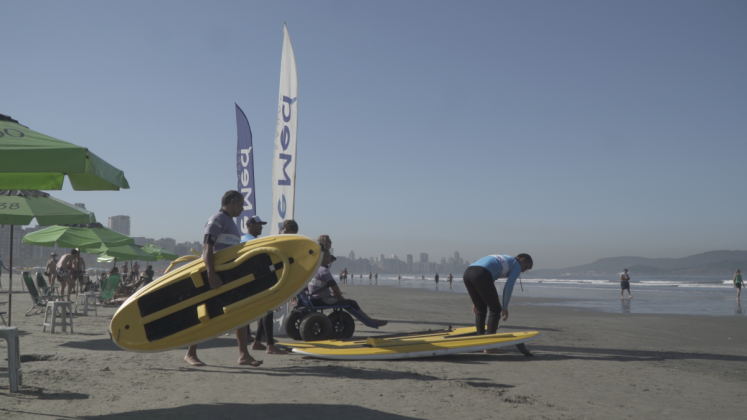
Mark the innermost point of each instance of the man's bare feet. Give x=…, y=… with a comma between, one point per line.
x=257, y=345
x=272, y=349
x=193, y=360
x=249, y=361
x=380, y=322
x=493, y=351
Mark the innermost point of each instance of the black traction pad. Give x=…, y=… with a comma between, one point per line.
x=264, y=278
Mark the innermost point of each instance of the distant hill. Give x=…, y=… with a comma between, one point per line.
x=708, y=263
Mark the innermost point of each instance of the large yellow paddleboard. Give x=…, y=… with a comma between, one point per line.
x=461, y=340
x=180, y=308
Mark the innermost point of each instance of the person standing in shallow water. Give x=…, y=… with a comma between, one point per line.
x=436, y=278
x=625, y=284
x=450, y=279
x=737, y=283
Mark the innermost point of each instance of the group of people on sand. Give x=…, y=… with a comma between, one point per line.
x=221, y=232
x=67, y=269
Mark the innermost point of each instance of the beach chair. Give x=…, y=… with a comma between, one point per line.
x=44, y=289
x=108, y=288
x=40, y=302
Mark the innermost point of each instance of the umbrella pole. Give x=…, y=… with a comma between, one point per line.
x=10, y=281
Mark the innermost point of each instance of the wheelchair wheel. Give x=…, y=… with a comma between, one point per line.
x=293, y=325
x=315, y=327
x=343, y=325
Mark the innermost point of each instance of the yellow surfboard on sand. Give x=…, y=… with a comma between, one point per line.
x=180, y=308
x=460, y=340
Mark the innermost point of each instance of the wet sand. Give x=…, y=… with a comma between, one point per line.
x=587, y=365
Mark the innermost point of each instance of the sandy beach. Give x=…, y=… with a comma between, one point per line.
x=587, y=365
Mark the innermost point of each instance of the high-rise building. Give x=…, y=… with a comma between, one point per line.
x=166, y=243
x=351, y=256
x=457, y=258
x=142, y=240
x=120, y=224
x=423, y=257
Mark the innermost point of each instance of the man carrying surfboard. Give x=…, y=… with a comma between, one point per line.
x=221, y=232
x=479, y=279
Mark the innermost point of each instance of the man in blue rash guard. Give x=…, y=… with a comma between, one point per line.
x=479, y=279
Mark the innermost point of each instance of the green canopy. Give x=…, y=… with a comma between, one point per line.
x=31, y=160
x=20, y=207
x=77, y=236
x=159, y=252
x=123, y=252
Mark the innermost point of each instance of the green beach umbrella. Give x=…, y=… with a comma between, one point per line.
x=31, y=160
x=159, y=252
x=20, y=207
x=92, y=235
x=122, y=252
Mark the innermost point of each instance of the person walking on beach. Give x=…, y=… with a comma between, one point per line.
x=51, y=269
x=221, y=232
x=148, y=275
x=479, y=279
x=79, y=268
x=738, y=282
x=1, y=272
x=399, y=279
x=625, y=284
x=436, y=278
x=264, y=325
x=369, y=278
x=376, y=279
x=423, y=278
x=65, y=272
x=450, y=279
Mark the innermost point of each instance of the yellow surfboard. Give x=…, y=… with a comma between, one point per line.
x=180, y=308
x=461, y=340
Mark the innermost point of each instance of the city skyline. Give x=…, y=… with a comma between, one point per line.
x=570, y=131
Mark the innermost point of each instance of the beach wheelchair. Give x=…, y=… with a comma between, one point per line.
x=308, y=322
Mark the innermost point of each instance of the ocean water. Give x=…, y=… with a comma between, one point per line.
x=711, y=296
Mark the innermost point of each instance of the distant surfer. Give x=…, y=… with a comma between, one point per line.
x=738, y=282
x=450, y=279
x=221, y=232
x=625, y=284
x=323, y=288
x=479, y=279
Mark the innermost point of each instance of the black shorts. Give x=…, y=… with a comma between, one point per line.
x=625, y=285
x=738, y=285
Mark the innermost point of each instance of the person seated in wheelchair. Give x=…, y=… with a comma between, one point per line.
x=324, y=290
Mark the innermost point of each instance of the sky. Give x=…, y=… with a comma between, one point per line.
x=571, y=130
